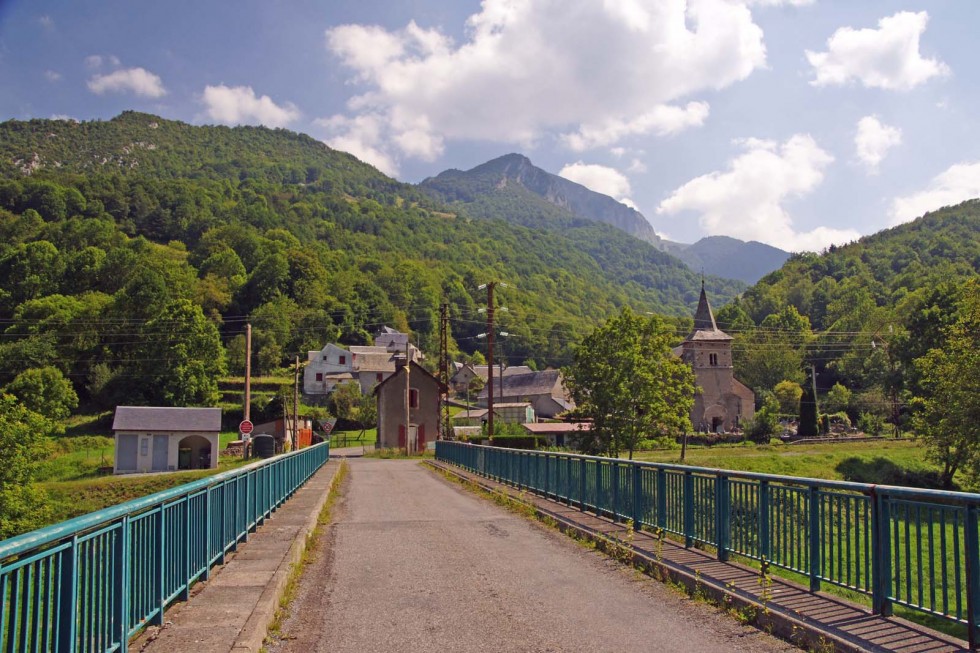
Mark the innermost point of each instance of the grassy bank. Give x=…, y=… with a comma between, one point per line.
x=878, y=461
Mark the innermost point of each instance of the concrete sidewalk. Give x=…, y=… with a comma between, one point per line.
x=232, y=610
x=813, y=620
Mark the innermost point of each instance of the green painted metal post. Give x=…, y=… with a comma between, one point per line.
x=598, y=488
x=614, y=481
x=568, y=476
x=688, y=509
x=581, y=483
x=186, y=592
x=723, y=522
x=765, y=545
x=206, y=532
x=161, y=565
x=661, y=498
x=121, y=591
x=637, y=497
x=813, y=547
x=67, y=597
x=971, y=548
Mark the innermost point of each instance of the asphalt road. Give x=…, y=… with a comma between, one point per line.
x=413, y=563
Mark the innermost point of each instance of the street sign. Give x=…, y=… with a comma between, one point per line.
x=328, y=424
x=245, y=427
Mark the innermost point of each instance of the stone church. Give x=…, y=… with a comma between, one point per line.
x=722, y=402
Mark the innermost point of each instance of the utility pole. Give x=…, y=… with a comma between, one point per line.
x=408, y=402
x=248, y=370
x=296, y=406
x=490, y=287
x=444, y=368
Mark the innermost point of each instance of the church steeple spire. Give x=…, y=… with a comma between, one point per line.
x=704, y=320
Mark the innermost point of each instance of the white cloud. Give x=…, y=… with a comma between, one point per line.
x=957, y=184
x=94, y=61
x=52, y=75
x=661, y=120
x=133, y=80
x=601, y=179
x=780, y=3
x=47, y=22
x=746, y=201
x=238, y=105
x=886, y=58
x=873, y=140
x=362, y=137
x=587, y=69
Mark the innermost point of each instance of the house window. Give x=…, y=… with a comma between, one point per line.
x=713, y=359
x=413, y=398
x=343, y=360
x=319, y=376
x=379, y=377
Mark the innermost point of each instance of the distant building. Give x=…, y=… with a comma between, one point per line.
x=559, y=434
x=721, y=402
x=281, y=429
x=466, y=372
x=512, y=413
x=424, y=396
x=151, y=439
x=368, y=365
x=543, y=390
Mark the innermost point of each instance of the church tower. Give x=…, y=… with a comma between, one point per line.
x=722, y=402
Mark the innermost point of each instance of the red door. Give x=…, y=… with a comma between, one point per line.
x=401, y=436
x=421, y=432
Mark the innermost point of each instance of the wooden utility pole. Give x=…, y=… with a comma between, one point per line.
x=296, y=406
x=490, y=287
x=248, y=371
x=408, y=402
x=444, y=368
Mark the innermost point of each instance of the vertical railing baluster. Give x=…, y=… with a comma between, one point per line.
x=723, y=523
x=971, y=550
x=688, y=498
x=637, y=497
x=813, y=546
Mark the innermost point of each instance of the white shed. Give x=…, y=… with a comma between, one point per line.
x=152, y=439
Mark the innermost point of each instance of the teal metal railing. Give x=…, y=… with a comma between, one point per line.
x=900, y=546
x=88, y=584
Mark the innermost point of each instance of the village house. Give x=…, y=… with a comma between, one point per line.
x=281, y=429
x=559, y=434
x=424, y=394
x=543, y=390
x=466, y=372
x=505, y=413
x=722, y=402
x=368, y=365
x=154, y=439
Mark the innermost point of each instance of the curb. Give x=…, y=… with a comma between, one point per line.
x=252, y=636
x=771, y=619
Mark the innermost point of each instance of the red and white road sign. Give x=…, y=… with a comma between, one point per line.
x=245, y=427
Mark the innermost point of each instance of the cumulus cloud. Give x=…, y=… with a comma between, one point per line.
x=780, y=3
x=662, y=120
x=46, y=21
x=873, y=140
x=601, y=179
x=95, y=61
x=590, y=70
x=746, y=201
x=886, y=58
x=360, y=136
x=957, y=184
x=52, y=75
x=128, y=80
x=238, y=105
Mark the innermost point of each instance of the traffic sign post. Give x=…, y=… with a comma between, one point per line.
x=246, y=427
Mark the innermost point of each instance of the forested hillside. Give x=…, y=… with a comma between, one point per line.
x=133, y=251
x=860, y=315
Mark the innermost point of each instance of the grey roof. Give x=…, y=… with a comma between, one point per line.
x=482, y=371
x=153, y=418
x=705, y=327
x=522, y=385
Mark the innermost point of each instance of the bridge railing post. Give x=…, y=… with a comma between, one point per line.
x=723, y=522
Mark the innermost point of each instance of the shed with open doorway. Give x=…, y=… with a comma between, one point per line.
x=157, y=439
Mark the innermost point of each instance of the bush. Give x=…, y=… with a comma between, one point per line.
x=871, y=423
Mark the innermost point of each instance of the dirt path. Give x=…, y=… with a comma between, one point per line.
x=415, y=563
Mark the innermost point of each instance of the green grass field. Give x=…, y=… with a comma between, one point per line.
x=878, y=461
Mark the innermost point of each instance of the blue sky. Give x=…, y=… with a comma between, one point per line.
x=793, y=122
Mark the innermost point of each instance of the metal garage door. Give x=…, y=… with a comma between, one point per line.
x=126, y=447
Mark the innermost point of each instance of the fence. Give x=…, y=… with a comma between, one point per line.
x=88, y=584
x=900, y=546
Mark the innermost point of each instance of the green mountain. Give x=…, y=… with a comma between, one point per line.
x=886, y=269
x=122, y=239
x=729, y=257
x=512, y=188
